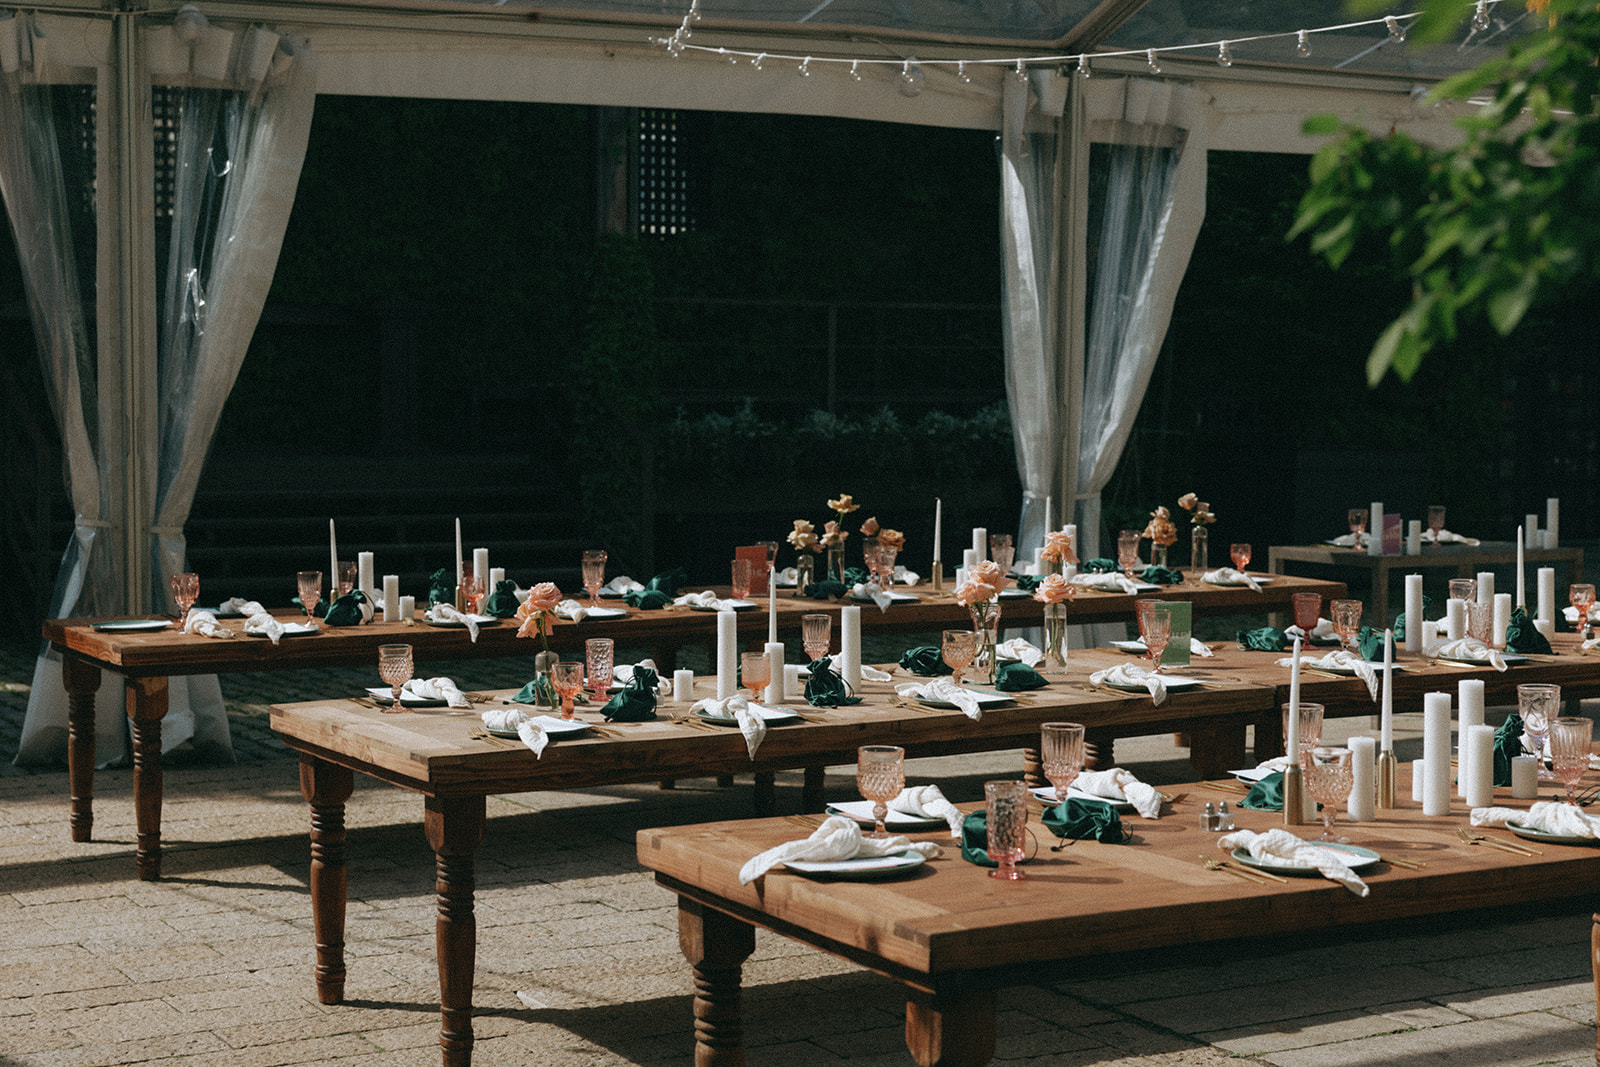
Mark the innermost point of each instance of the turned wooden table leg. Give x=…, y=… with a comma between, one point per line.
x=1215, y=750
x=326, y=787
x=1033, y=769
x=766, y=794
x=81, y=681
x=147, y=706
x=1099, y=750
x=1269, y=737
x=811, y=789
x=951, y=1030
x=716, y=946
x=455, y=829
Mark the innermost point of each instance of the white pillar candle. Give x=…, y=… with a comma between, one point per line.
x=1038, y=559
x=793, y=685
x=1455, y=619
x=1436, y=753
x=1414, y=537
x=1546, y=627
x=364, y=574
x=391, y=598
x=683, y=686
x=1477, y=765
x=1071, y=530
x=776, y=693
x=496, y=576
x=333, y=564
x=1363, y=779
x=1547, y=594
x=1375, y=529
x=458, y=551
x=1486, y=588
x=1530, y=523
x=1502, y=619
x=480, y=566
x=1430, y=632
x=850, y=644
x=1552, y=522
x=1291, y=744
x=1419, y=775
x=727, y=654
x=980, y=543
x=1047, y=511
x=938, y=523
x=1413, y=613
x=1524, y=778
x=1522, y=598
x=969, y=558
x=408, y=607
x=1469, y=702
x=1387, y=720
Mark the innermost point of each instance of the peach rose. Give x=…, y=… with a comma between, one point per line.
x=1054, y=589
x=534, y=612
x=832, y=535
x=1058, y=547
x=844, y=505
x=869, y=527
x=802, y=536
x=1187, y=501
x=969, y=593
x=891, y=539
x=988, y=573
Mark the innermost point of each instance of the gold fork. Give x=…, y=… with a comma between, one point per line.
x=1497, y=842
x=1259, y=877
x=480, y=734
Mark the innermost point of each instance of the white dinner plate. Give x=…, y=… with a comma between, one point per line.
x=1129, y=646
x=1261, y=579
x=1252, y=775
x=768, y=715
x=553, y=726
x=456, y=624
x=861, y=812
x=1351, y=671
x=894, y=598
x=728, y=605
x=1175, y=683
x=859, y=870
x=1550, y=839
x=1015, y=594
x=1511, y=658
x=1047, y=793
x=131, y=626
x=1355, y=857
x=604, y=613
x=407, y=699
x=983, y=697
x=290, y=629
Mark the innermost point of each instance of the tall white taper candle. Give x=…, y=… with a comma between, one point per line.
x=772, y=611
x=938, y=524
x=1291, y=744
x=1522, y=593
x=1387, y=721
x=333, y=564
x=458, y=551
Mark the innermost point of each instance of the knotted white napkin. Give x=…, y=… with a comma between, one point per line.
x=871, y=591
x=905, y=577
x=1110, y=582
x=1572, y=613
x=1341, y=660
x=1229, y=576
x=205, y=624
x=1282, y=849
x=436, y=689
x=838, y=838
x=1135, y=675
x=1022, y=651
x=527, y=728
x=1593, y=642
x=706, y=599
x=1469, y=648
x=1324, y=633
x=1349, y=540
x=622, y=584
x=946, y=690
x=1119, y=784
x=571, y=609
x=751, y=724
x=1445, y=537
x=264, y=624
x=622, y=674
x=787, y=576
x=928, y=802
x=442, y=612
x=238, y=605
x=1546, y=816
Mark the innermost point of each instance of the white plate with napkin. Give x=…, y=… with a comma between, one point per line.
x=1047, y=793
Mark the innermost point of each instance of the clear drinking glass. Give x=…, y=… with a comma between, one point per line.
x=599, y=658
x=740, y=579
x=880, y=776
x=1480, y=621
x=1002, y=551
x=395, y=666
x=186, y=590
x=1436, y=520
x=1240, y=554
x=872, y=556
x=1329, y=780
x=1358, y=525
x=1570, y=742
x=1346, y=621
x=347, y=576
x=567, y=678
x=816, y=634
x=1581, y=596
x=1310, y=720
x=886, y=558
x=1464, y=589
x=1538, y=704
x=594, y=573
x=958, y=647
x=310, y=585
x=1307, y=611
x=1061, y=754
x=1006, y=809
x=755, y=669
x=1128, y=550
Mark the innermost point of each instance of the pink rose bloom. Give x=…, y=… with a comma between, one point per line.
x=869, y=527
x=1054, y=589
x=1058, y=547
x=535, y=611
x=988, y=573
x=969, y=593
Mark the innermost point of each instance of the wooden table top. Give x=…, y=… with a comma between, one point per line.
x=950, y=917
x=1453, y=554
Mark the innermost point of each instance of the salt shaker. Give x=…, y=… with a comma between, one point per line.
x=1224, y=818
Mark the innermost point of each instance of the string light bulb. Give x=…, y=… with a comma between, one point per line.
x=758, y=60
x=1150, y=61
x=1302, y=45
x=1480, y=16
x=1083, y=66
x=961, y=73
x=1021, y=73
x=805, y=67
x=855, y=70
x=1224, y=57
x=731, y=57
x=1396, y=33
x=911, y=77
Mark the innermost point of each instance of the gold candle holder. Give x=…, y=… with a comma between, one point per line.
x=938, y=577
x=461, y=599
x=1293, y=810
x=1386, y=772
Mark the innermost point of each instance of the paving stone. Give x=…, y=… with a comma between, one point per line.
x=1488, y=1003
x=1298, y=1033
x=1512, y=1041
x=1419, y=1014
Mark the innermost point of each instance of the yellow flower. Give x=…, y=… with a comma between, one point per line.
x=844, y=505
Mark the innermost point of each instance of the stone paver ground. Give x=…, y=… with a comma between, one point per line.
x=578, y=964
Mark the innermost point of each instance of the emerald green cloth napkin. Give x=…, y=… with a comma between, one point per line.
x=536, y=692
x=1522, y=636
x=646, y=599
x=1099, y=565
x=1400, y=619
x=1161, y=575
x=827, y=589
x=1028, y=582
x=926, y=660
x=1370, y=643
x=1015, y=677
x=637, y=701
x=319, y=611
x=441, y=588
x=825, y=689
x=1507, y=743
x=1086, y=820
x=502, y=603
x=1266, y=795
x=346, y=611
x=669, y=582
x=854, y=576
x=1266, y=639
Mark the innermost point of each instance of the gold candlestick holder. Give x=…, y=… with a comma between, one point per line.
x=461, y=598
x=1293, y=810
x=938, y=576
x=1386, y=772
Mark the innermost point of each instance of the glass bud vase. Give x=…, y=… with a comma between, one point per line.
x=986, y=624
x=836, y=563
x=1199, y=540
x=1055, y=637
x=1158, y=555
x=805, y=573
x=544, y=689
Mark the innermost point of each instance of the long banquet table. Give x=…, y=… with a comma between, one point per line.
x=144, y=661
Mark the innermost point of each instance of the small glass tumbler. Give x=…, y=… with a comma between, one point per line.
x=1006, y=812
x=599, y=660
x=816, y=634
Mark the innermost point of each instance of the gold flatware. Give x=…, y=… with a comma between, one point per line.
x=1227, y=787
x=604, y=731
x=480, y=734
x=1174, y=798
x=1395, y=861
x=902, y=702
x=1497, y=842
x=1247, y=873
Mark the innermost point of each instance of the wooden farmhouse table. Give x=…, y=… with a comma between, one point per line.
x=953, y=936
x=144, y=661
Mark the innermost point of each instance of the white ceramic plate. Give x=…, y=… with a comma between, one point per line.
x=768, y=715
x=1511, y=658
x=407, y=700
x=1047, y=794
x=1355, y=857
x=1129, y=646
x=604, y=613
x=983, y=697
x=1015, y=594
x=553, y=726
x=1175, y=683
x=290, y=629
x=1251, y=775
x=861, y=812
x=730, y=605
x=452, y=624
x=860, y=870
x=131, y=626
x=894, y=598
x=1261, y=579
x=1550, y=839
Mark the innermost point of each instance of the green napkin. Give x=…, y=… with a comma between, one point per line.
x=1370, y=644
x=538, y=691
x=441, y=589
x=1400, y=619
x=1014, y=677
x=646, y=599
x=320, y=610
x=854, y=576
x=1099, y=565
x=975, y=839
x=1028, y=582
x=1086, y=820
x=926, y=660
x=636, y=702
x=1266, y=639
x=1507, y=743
x=346, y=611
x=1266, y=795
x=825, y=689
x=502, y=603
x=1521, y=635
x=1161, y=575
x=827, y=589
x=669, y=582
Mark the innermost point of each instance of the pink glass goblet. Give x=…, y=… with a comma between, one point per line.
x=594, y=574
x=1006, y=814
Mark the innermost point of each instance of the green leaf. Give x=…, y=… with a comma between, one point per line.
x=1506, y=307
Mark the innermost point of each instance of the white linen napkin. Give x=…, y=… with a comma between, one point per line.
x=1120, y=784
x=1324, y=633
x=751, y=724
x=946, y=690
x=1446, y=537
x=1197, y=647
x=622, y=673
x=238, y=605
x=706, y=599
x=906, y=577
x=264, y=624
x=1133, y=674
x=928, y=802
x=1229, y=576
x=527, y=728
x=1546, y=816
x=1593, y=642
x=436, y=689
x=1464, y=648
x=442, y=612
x=1110, y=582
x=871, y=590
x=1572, y=613
x=1282, y=849
x=838, y=838
x=1022, y=651
x=869, y=673
x=1349, y=540
x=622, y=584
x=571, y=609
x=205, y=624
x=1342, y=660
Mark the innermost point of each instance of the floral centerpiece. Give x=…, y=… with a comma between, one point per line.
x=1058, y=550
x=834, y=534
x=534, y=617
x=980, y=595
x=1054, y=592
x=890, y=544
x=1200, y=517
x=1162, y=533
x=804, y=539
